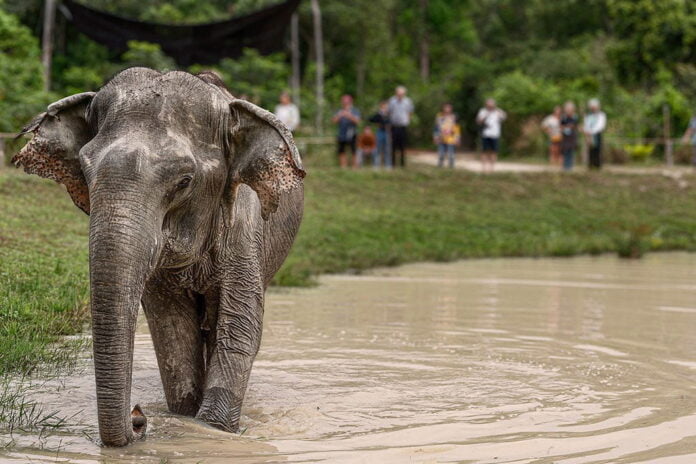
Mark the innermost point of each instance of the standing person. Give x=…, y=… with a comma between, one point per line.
x=490, y=119
x=367, y=146
x=446, y=135
x=347, y=119
x=287, y=112
x=400, y=112
x=552, y=126
x=690, y=138
x=569, y=129
x=594, y=124
x=381, y=118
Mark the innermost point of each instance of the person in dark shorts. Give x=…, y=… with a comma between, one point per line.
x=490, y=119
x=347, y=120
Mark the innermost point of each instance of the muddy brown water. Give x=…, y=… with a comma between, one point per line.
x=582, y=360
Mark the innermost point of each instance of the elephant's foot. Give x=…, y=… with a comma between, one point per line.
x=139, y=422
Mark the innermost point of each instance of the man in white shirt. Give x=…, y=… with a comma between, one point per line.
x=400, y=112
x=287, y=112
x=490, y=118
x=594, y=124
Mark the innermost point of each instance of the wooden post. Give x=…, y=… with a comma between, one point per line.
x=667, y=134
x=47, y=41
x=319, y=51
x=3, y=161
x=295, y=52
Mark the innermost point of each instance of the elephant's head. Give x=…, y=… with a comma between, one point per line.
x=155, y=160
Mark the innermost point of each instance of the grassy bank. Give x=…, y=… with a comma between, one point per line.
x=43, y=270
x=358, y=220
x=353, y=221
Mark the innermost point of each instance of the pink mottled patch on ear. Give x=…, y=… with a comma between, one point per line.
x=271, y=176
x=47, y=158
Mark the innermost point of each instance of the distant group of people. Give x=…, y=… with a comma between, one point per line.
x=562, y=127
x=388, y=147
x=385, y=146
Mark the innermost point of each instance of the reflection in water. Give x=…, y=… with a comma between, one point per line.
x=583, y=360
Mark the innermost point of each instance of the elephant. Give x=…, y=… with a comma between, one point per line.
x=194, y=199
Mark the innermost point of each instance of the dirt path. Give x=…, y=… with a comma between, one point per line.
x=469, y=161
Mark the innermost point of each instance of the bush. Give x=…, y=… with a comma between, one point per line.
x=639, y=152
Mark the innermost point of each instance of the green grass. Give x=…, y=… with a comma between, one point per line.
x=353, y=221
x=43, y=271
x=358, y=220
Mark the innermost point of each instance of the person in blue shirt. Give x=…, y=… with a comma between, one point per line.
x=347, y=120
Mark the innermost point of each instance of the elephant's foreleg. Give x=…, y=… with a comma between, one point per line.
x=175, y=327
x=239, y=327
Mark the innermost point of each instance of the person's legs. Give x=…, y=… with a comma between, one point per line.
x=593, y=157
x=375, y=158
x=484, y=153
x=494, y=153
x=395, y=143
x=441, y=147
x=342, y=158
x=555, y=154
x=450, y=152
x=359, y=158
x=388, y=152
x=404, y=142
x=354, y=153
x=489, y=155
x=381, y=147
x=568, y=158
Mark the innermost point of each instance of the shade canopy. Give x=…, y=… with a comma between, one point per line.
x=262, y=30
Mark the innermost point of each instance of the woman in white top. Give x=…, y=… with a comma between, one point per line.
x=287, y=112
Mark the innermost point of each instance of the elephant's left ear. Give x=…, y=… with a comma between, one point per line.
x=59, y=134
x=263, y=154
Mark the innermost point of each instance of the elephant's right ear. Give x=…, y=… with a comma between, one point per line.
x=59, y=134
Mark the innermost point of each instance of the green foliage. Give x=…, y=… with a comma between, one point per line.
x=259, y=78
x=21, y=74
x=148, y=55
x=635, y=55
x=651, y=34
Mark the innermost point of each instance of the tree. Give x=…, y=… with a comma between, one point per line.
x=21, y=78
x=652, y=35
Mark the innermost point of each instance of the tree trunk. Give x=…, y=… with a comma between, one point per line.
x=47, y=41
x=319, y=52
x=295, y=52
x=424, y=45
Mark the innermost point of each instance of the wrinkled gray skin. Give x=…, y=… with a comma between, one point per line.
x=194, y=200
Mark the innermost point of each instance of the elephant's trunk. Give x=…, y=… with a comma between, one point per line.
x=122, y=248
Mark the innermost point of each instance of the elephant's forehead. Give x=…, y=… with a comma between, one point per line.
x=167, y=101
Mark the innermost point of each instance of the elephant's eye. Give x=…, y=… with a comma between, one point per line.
x=184, y=182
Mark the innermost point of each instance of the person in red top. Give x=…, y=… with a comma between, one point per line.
x=367, y=146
